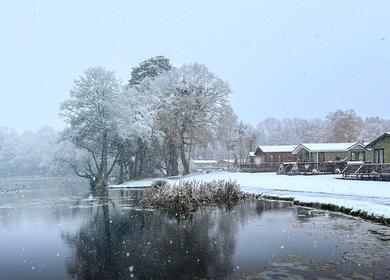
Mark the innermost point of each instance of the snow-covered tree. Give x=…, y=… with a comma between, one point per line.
x=372, y=127
x=228, y=132
x=343, y=126
x=251, y=138
x=30, y=153
x=149, y=68
x=135, y=130
x=137, y=156
x=242, y=127
x=271, y=130
x=92, y=114
x=9, y=150
x=191, y=100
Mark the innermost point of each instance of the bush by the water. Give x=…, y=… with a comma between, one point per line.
x=190, y=195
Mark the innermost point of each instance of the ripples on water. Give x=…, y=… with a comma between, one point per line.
x=56, y=229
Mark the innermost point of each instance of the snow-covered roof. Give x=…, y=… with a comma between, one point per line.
x=324, y=147
x=357, y=145
x=251, y=154
x=384, y=135
x=204, y=161
x=277, y=148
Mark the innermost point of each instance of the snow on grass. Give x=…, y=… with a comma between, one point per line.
x=370, y=196
x=328, y=184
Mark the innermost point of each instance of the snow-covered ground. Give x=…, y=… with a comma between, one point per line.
x=370, y=196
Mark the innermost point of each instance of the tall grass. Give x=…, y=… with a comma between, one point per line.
x=188, y=196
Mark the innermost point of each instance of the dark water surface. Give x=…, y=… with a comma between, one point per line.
x=56, y=229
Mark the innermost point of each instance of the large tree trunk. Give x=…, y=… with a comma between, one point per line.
x=139, y=158
x=92, y=184
x=103, y=177
x=186, y=165
x=141, y=166
x=228, y=159
x=123, y=162
x=134, y=167
x=121, y=178
x=173, y=166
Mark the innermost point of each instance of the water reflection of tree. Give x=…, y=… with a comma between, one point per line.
x=152, y=245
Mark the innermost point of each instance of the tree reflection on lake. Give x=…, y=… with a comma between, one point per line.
x=116, y=244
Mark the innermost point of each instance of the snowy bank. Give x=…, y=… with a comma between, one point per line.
x=372, y=197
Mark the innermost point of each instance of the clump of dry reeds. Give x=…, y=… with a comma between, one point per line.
x=187, y=196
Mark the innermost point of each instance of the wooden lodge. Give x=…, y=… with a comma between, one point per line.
x=356, y=160
x=326, y=152
x=305, y=158
x=277, y=153
x=376, y=163
x=269, y=158
x=379, y=149
x=324, y=158
x=357, y=152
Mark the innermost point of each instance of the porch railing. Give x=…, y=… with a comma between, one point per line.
x=292, y=168
x=368, y=171
x=329, y=167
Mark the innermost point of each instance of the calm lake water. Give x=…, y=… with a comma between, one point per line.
x=56, y=229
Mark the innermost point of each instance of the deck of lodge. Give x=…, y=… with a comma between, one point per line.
x=296, y=168
x=367, y=171
x=305, y=158
x=377, y=164
x=312, y=168
x=355, y=160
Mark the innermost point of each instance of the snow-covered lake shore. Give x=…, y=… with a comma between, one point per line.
x=372, y=197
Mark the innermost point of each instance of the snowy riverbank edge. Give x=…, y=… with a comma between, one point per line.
x=362, y=198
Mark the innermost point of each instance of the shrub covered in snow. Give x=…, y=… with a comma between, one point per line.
x=189, y=195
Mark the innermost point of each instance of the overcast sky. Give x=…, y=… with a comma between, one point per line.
x=281, y=58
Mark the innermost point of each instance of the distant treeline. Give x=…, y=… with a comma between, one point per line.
x=337, y=126
x=35, y=153
x=32, y=153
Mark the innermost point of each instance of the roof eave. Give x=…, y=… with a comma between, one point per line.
x=299, y=148
x=373, y=142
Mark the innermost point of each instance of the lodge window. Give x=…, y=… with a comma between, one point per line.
x=360, y=156
x=305, y=156
x=321, y=157
x=379, y=155
x=279, y=158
